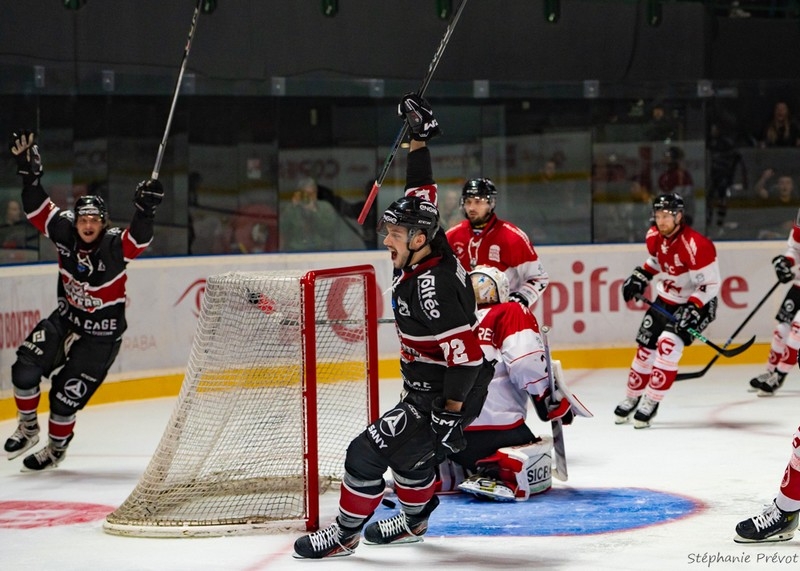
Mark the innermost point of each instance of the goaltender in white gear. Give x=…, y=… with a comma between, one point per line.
x=503, y=460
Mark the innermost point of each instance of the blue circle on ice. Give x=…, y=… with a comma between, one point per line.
x=560, y=511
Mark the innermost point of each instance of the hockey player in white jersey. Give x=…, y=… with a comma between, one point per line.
x=786, y=335
x=503, y=459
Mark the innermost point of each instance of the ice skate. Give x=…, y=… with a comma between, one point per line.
x=48, y=457
x=645, y=413
x=400, y=528
x=624, y=409
x=24, y=438
x=770, y=384
x=332, y=541
x=773, y=524
x=755, y=382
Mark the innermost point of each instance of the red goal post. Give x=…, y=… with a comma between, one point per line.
x=282, y=374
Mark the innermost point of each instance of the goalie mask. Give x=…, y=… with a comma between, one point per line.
x=489, y=284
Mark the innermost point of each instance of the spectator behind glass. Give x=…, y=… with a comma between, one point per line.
x=781, y=131
x=777, y=192
x=676, y=179
x=15, y=231
x=307, y=224
x=450, y=212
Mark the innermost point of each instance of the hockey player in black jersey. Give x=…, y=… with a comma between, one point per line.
x=83, y=335
x=445, y=375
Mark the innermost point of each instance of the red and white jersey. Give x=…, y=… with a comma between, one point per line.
x=509, y=334
x=793, y=248
x=687, y=262
x=504, y=246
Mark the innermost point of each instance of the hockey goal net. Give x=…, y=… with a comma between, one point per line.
x=282, y=375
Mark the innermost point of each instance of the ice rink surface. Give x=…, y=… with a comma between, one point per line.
x=714, y=445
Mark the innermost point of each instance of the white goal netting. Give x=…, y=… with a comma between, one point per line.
x=282, y=375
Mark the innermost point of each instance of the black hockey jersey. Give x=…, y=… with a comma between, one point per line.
x=434, y=310
x=92, y=279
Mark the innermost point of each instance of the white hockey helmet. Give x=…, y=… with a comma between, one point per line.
x=490, y=285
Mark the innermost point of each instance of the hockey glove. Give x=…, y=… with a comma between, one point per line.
x=636, y=283
x=148, y=195
x=783, y=269
x=688, y=317
x=26, y=154
x=519, y=298
x=548, y=409
x=447, y=426
x=419, y=115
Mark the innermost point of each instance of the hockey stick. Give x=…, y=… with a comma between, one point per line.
x=699, y=336
x=373, y=193
x=704, y=370
x=163, y=145
x=560, y=471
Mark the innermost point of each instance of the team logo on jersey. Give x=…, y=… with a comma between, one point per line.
x=85, y=263
x=402, y=308
x=426, y=288
x=393, y=422
x=494, y=253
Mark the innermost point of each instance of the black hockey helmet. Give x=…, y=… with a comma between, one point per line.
x=670, y=202
x=91, y=205
x=414, y=213
x=479, y=188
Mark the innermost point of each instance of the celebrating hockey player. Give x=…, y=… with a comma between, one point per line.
x=779, y=521
x=445, y=375
x=503, y=459
x=786, y=335
x=483, y=239
x=84, y=333
x=688, y=281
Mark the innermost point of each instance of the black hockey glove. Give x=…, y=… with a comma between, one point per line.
x=448, y=428
x=26, y=154
x=419, y=115
x=688, y=317
x=636, y=283
x=148, y=195
x=519, y=298
x=783, y=269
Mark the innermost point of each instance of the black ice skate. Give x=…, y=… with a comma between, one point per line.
x=770, y=384
x=625, y=409
x=333, y=541
x=773, y=524
x=48, y=457
x=401, y=528
x=645, y=413
x=25, y=437
x=755, y=382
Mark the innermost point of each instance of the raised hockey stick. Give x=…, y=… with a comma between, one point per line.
x=373, y=193
x=560, y=471
x=163, y=145
x=699, y=336
x=704, y=370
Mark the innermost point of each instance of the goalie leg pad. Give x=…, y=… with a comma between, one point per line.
x=521, y=472
x=449, y=476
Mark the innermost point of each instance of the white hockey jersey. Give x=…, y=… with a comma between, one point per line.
x=509, y=334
